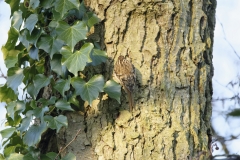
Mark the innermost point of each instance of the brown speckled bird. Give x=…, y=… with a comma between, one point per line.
x=125, y=72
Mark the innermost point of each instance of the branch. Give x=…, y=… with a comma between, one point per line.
x=2, y=75
x=227, y=39
x=68, y=144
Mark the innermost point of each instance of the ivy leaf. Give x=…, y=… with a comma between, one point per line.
x=62, y=86
x=60, y=121
x=98, y=57
x=31, y=90
x=64, y=105
x=66, y=53
x=39, y=112
x=77, y=61
x=10, y=109
x=33, y=53
x=51, y=155
x=14, y=4
x=73, y=100
x=46, y=102
x=40, y=81
x=10, y=57
x=56, y=122
x=33, y=38
x=17, y=19
x=30, y=22
x=33, y=135
x=6, y=133
x=113, y=89
x=91, y=19
x=26, y=121
x=7, y=94
x=56, y=65
x=69, y=156
x=15, y=156
x=81, y=11
x=88, y=90
x=10, y=150
x=50, y=45
x=15, y=78
x=62, y=6
x=71, y=34
x=46, y=3
x=15, y=107
x=23, y=38
x=33, y=4
x=12, y=38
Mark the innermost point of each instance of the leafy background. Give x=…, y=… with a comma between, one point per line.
x=46, y=49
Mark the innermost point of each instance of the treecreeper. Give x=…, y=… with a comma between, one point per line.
x=126, y=74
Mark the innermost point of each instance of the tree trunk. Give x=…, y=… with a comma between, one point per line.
x=170, y=44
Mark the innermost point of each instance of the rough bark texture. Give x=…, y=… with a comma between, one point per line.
x=170, y=44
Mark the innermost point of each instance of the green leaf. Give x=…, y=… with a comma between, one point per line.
x=81, y=11
x=46, y=3
x=12, y=39
x=235, y=113
x=60, y=121
x=62, y=86
x=15, y=122
x=40, y=81
x=56, y=122
x=39, y=112
x=14, y=4
x=28, y=156
x=7, y=94
x=23, y=38
x=66, y=53
x=15, y=156
x=33, y=135
x=30, y=22
x=73, y=100
x=32, y=91
x=17, y=19
x=77, y=61
x=98, y=56
x=6, y=133
x=71, y=34
x=62, y=6
x=91, y=19
x=50, y=45
x=15, y=78
x=56, y=17
x=64, y=105
x=51, y=155
x=9, y=150
x=33, y=38
x=113, y=89
x=69, y=156
x=33, y=4
x=33, y=53
x=10, y=57
x=26, y=121
x=56, y=65
x=46, y=102
x=88, y=90
x=10, y=109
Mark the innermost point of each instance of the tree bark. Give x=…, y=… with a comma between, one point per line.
x=170, y=44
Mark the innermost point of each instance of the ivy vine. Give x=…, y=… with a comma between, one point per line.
x=48, y=48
